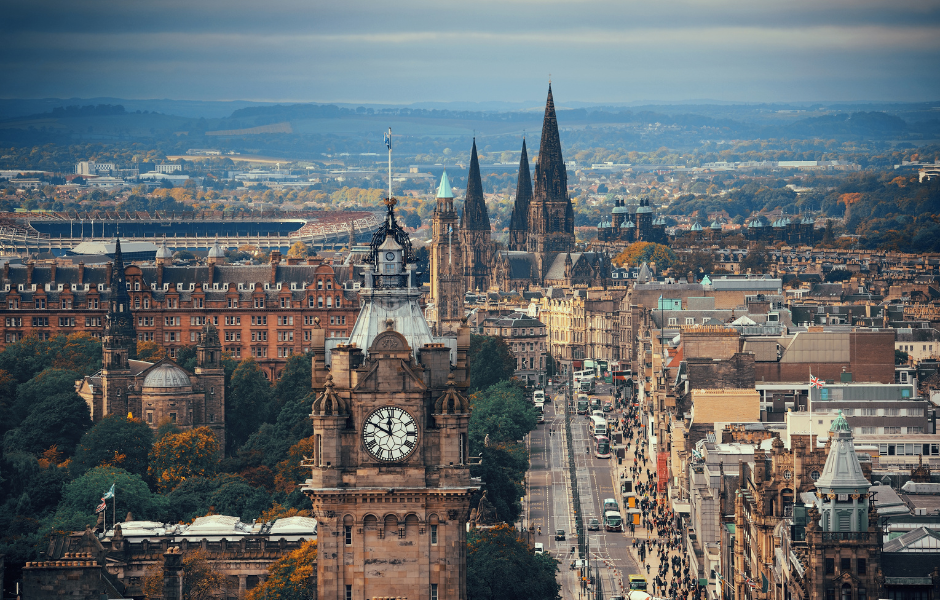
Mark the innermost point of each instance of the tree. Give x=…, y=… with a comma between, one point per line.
x=150, y=351
x=756, y=260
x=502, y=470
x=502, y=413
x=291, y=471
x=298, y=250
x=294, y=381
x=248, y=404
x=46, y=384
x=114, y=441
x=491, y=361
x=201, y=581
x=78, y=352
x=59, y=420
x=901, y=357
x=500, y=566
x=291, y=576
x=176, y=457
x=81, y=496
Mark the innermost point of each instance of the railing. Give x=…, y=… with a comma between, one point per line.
x=845, y=536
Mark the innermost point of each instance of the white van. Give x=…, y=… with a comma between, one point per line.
x=539, y=548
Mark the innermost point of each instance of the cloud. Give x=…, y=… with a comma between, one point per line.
x=417, y=50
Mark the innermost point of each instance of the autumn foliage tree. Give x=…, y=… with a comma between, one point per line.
x=201, y=581
x=176, y=457
x=638, y=253
x=290, y=577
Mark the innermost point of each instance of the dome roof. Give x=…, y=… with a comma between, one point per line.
x=715, y=225
x=643, y=209
x=216, y=252
x=164, y=252
x=619, y=210
x=166, y=375
x=695, y=227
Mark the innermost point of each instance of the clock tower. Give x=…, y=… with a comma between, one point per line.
x=390, y=483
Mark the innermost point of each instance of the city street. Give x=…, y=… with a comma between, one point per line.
x=549, y=503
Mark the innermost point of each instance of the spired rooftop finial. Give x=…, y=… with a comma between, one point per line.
x=444, y=190
x=840, y=424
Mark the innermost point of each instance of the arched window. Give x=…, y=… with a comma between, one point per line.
x=319, y=284
x=337, y=301
x=846, y=592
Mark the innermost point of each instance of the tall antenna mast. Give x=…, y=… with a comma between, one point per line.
x=388, y=144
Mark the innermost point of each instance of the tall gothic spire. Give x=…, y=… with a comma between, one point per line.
x=551, y=178
x=474, y=217
x=520, y=210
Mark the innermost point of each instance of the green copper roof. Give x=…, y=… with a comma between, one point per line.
x=840, y=424
x=444, y=191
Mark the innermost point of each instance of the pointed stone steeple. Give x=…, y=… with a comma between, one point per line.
x=519, y=223
x=474, y=217
x=551, y=178
x=551, y=216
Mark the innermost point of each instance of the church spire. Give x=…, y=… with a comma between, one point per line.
x=474, y=217
x=520, y=210
x=551, y=178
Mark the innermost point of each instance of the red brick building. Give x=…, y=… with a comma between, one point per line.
x=264, y=311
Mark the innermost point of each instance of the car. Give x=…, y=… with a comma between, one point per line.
x=559, y=534
x=594, y=524
x=539, y=548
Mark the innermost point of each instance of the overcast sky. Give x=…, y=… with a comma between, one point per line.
x=403, y=51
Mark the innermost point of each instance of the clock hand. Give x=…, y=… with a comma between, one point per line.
x=380, y=428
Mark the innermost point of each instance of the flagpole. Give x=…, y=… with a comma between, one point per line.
x=113, y=510
x=389, y=163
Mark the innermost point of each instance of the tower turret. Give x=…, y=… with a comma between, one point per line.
x=519, y=223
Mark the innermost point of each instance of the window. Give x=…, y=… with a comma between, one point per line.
x=892, y=430
x=846, y=591
x=172, y=417
x=348, y=592
x=434, y=535
x=259, y=302
x=830, y=566
x=433, y=591
x=690, y=320
x=915, y=412
x=347, y=531
x=915, y=430
x=150, y=416
x=862, y=593
x=40, y=303
x=892, y=412
x=233, y=303
x=861, y=567
x=868, y=430
x=845, y=565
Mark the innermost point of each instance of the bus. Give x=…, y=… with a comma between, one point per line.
x=586, y=386
x=580, y=376
x=601, y=367
x=637, y=582
x=612, y=521
x=582, y=404
x=598, y=426
x=595, y=403
x=601, y=447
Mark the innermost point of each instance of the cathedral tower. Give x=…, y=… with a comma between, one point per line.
x=519, y=224
x=551, y=217
x=475, y=234
x=390, y=481
x=447, y=282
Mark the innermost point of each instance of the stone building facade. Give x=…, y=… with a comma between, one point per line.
x=390, y=482
x=262, y=311
x=448, y=283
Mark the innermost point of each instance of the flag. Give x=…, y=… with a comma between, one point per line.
x=109, y=494
x=101, y=507
x=388, y=141
x=815, y=382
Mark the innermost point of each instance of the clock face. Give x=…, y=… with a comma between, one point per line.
x=814, y=475
x=390, y=256
x=390, y=433
x=787, y=475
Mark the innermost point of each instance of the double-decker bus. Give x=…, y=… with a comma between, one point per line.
x=598, y=426
x=582, y=404
x=601, y=447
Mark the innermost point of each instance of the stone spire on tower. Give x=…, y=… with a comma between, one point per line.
x=519, y=223
x=551, y=217
x=474, y=217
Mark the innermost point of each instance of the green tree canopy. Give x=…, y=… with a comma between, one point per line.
x=115, y=441
x=58, y=420
x=500, y=566
x=502, y=470
x=491, y=361
x=81, y=496
x=502, y=412
x=248, y=405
